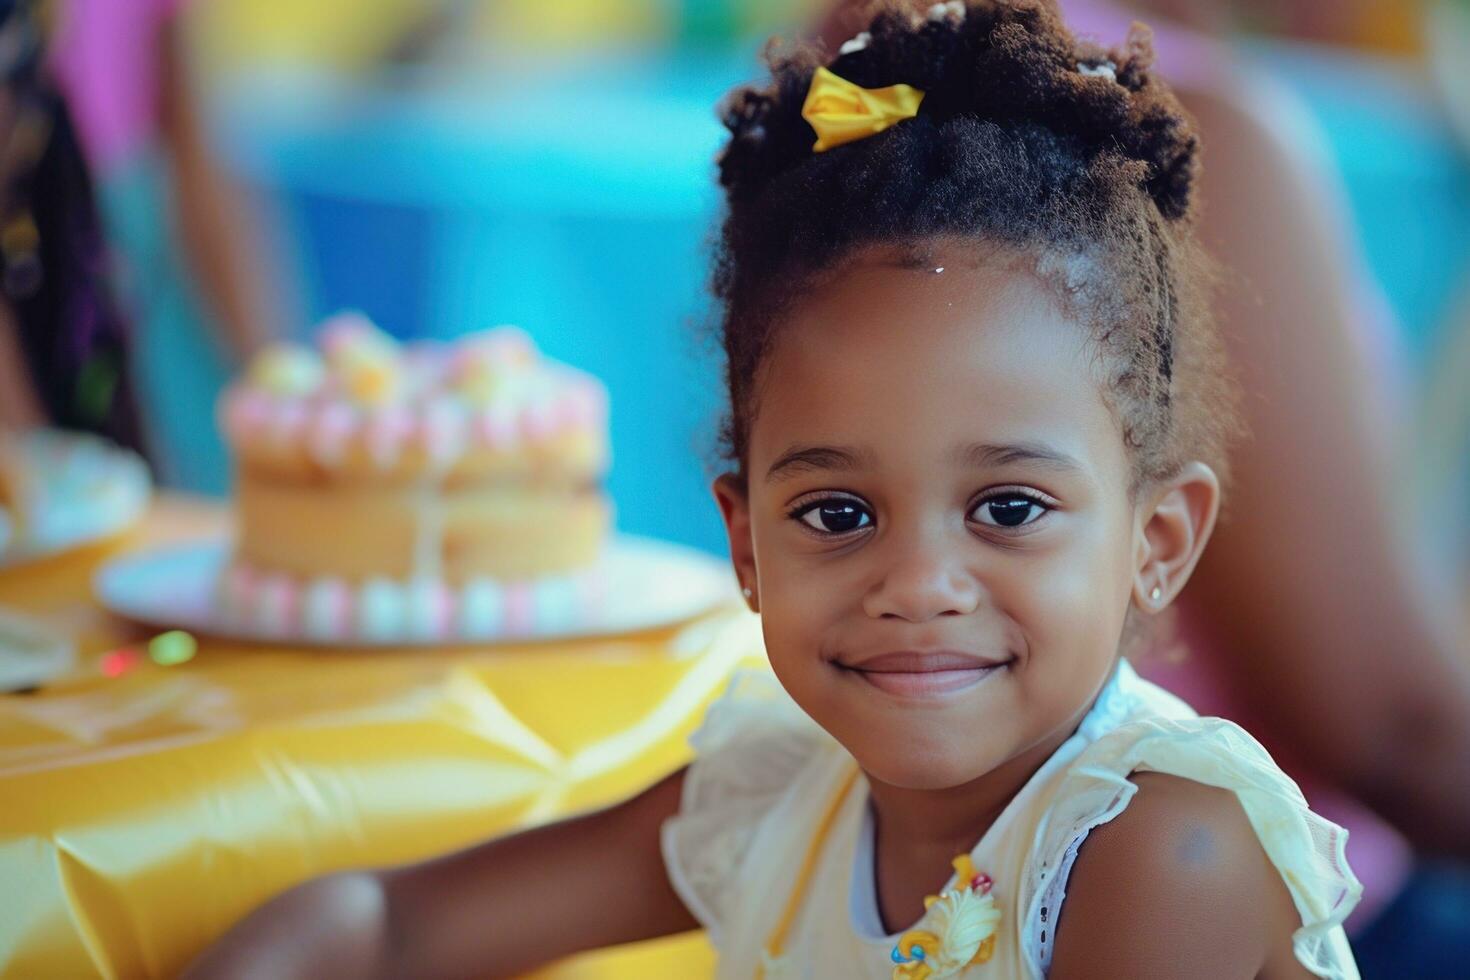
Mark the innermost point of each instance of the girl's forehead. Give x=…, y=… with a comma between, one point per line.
x=915, y=356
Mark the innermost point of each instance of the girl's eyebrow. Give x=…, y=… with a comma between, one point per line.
x=798, y=459
x=983, y=454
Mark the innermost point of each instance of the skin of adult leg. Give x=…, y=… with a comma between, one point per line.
x=1316, y=584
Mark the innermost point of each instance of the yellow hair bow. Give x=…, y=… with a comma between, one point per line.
x=841, y=112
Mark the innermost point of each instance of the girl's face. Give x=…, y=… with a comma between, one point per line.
x=937, y=520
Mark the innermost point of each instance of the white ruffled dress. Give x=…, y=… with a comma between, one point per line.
x=764, y=774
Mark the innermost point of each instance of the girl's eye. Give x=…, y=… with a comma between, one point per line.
x=834, y=516
x=1009, y=510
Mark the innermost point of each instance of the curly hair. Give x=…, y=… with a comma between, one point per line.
x=1058, y=150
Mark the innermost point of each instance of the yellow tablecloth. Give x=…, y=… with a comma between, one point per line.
x=141, y=815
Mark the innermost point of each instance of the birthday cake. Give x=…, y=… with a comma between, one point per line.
x=429, y=491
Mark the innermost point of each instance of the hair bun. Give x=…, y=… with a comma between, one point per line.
x=1012, y=62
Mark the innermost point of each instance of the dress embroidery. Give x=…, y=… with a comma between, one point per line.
x=958, y=929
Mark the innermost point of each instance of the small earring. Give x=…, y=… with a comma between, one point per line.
x=1156, y=594
x=746, y=592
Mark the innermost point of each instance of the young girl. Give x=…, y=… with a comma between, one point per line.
x=977, y=413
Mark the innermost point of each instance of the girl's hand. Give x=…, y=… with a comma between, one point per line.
x=498, y=909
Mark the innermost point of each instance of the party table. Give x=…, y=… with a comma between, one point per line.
x=143, y=812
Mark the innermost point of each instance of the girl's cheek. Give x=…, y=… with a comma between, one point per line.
x=1066, y=598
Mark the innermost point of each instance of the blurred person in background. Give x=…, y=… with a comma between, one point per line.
x=1316, y=620
x=1444, y=415
x=1375, y=25
x=63, y=341
x=1445, y=408
x=188, y=251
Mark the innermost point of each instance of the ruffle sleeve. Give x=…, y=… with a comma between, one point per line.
x=1307, y=849
x=749, y=752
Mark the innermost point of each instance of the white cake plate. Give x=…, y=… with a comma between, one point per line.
x=87, y=490
x=647, y=583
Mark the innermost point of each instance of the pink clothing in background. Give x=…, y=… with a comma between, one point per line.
x=1185, y=57
x=107, y=56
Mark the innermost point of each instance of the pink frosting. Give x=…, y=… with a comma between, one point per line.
x=344, y=329
x=240, y=588
x=578, y=408
x=596, y=396
x=435, y=595
x=443, y=427
x=340, y=603
x=286, y=421
x=496, y=428
x=424, y=412
x=277, y=604
x=246, y=412
x=520, y=609
x=331, y=429
x=386, y=432
x=506, y=344
x=539, y=421
x=442, y=430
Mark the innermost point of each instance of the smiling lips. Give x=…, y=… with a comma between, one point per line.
x=916, y=674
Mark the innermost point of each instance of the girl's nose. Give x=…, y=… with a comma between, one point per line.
x=922, y=584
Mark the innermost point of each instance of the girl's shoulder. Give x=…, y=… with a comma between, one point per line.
x=1193, y=806
x=1176, y=880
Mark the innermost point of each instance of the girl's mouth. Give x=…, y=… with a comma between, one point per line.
x=914, y=674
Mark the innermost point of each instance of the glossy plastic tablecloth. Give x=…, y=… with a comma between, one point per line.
x=141, y=815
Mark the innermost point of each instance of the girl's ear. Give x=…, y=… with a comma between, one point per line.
x=730, y=494
x=1174, y=527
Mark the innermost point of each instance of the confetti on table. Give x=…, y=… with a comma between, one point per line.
x=172, y=648
x=115, y=663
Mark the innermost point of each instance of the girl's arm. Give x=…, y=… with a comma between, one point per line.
x=1177, y=885
x=494, y=910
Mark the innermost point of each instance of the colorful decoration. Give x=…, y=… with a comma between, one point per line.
x=397, y=404
x=488, y=362
x=115, y=663
x=371, y=381
x=166, y=650
x=365, y=361
x=958, y=929
x=287, y=369
x=172, y=648
x=350, y=334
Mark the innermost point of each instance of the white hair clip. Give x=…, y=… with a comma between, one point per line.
x=954, y=10
x=853, y=44
x=1106, y=70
